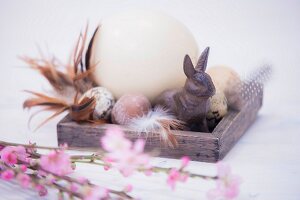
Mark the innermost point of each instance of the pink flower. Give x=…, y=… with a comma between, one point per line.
x=74, y=187
x=124, y=155
x=114, y=139
x=148, y=172
x=185, y=160
x=96, y=193
x=24, y=180
x=106, y=167
x=42, y=190
x=11, y=154
x=56, y=162
x=23, y=168
x=7, y=175
x=227, y=184
x=175, y=176
x=128, y=188
x=127, y=161
x=82, y=180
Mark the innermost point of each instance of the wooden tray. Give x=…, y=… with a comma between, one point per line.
x=207, y=147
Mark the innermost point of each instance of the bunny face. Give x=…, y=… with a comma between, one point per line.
x=200, y=85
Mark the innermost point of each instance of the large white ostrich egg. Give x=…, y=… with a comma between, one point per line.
x=141, y=52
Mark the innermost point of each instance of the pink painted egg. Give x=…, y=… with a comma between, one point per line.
x=130, y=106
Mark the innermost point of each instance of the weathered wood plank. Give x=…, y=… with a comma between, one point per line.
x=234, y=125
x=199, y=146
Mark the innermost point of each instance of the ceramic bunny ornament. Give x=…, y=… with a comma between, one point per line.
x=190, y=104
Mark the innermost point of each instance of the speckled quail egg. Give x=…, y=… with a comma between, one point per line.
x=104, y=102
x=217, y=110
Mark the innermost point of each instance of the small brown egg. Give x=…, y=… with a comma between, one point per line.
x=130, y=106
x=226, y=80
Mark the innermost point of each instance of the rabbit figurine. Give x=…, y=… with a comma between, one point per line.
x=191, y=103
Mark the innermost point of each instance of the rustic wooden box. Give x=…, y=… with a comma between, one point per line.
x=207, y=147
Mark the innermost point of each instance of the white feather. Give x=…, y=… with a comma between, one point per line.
x=150, y=122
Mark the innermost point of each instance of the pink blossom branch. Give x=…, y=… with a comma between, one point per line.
x=38, y=180
x=121, y=154
x=33, y=163
x=73, y=180
x=99, y=157
x=3, y=143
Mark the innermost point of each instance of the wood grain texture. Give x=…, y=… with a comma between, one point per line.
x=206, y=147
x=235, y=124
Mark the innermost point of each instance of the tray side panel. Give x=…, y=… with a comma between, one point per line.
x=198, y=146
x=235, y=124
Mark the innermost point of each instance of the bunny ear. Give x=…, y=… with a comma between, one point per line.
x=188, y=66
x=202, y=62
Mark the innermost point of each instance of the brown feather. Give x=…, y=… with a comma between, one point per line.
x=65, y=79
x=48, y=69
x=84, y=74
x=43, y=100
x=168, y=125
x=83, y=110
x=50, y=103
x=98, y=121
x=50, y=108
x=88, y=54
x=51, y=117
x=79, y=48
x=82, y=82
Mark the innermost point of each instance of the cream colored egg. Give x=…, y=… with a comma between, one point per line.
x=226, y=80
x=141, y=52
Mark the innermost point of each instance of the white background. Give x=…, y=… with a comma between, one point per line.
x=241, y=34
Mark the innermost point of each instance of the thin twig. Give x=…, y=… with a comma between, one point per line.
x=154, y=169
x=46, y=147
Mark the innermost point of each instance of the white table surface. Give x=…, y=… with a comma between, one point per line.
x=242, y=35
